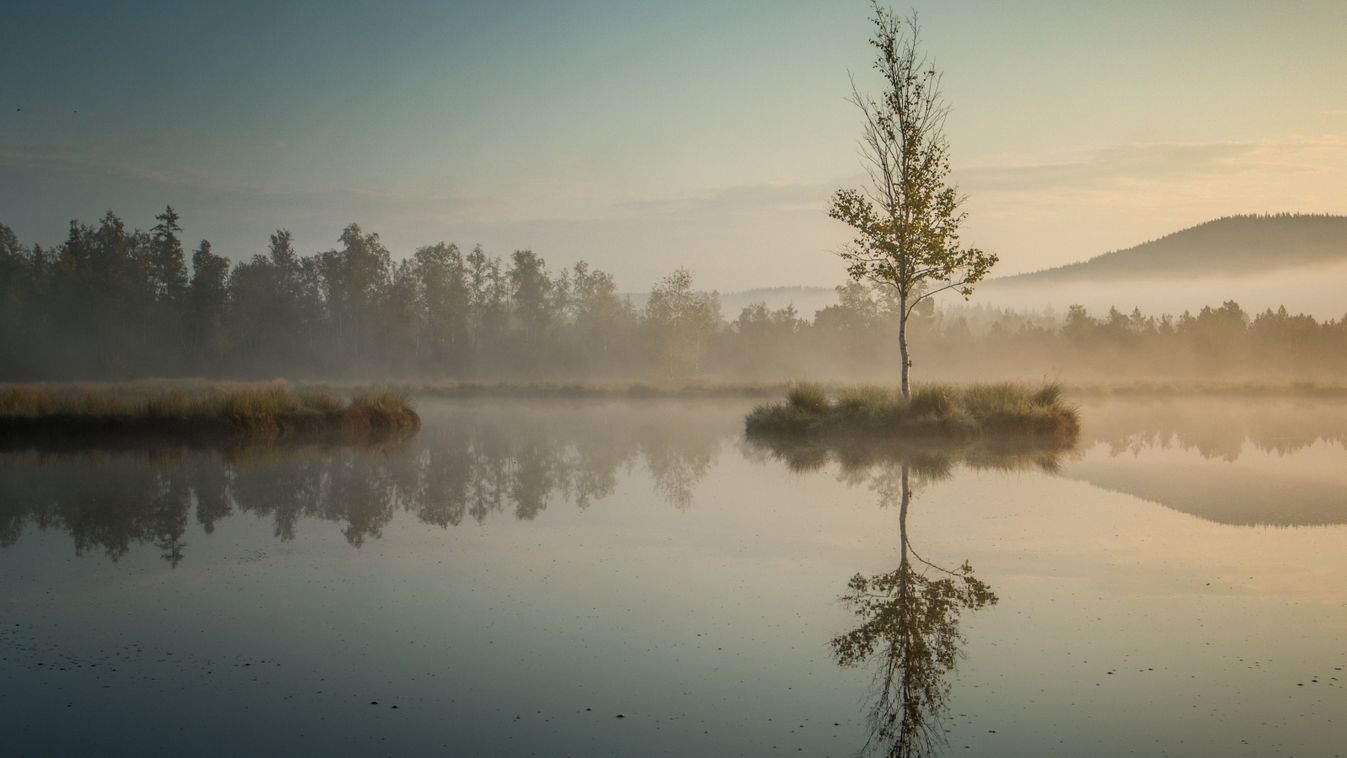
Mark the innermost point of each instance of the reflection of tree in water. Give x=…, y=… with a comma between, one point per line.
x=909, y=617
x=859, y=460
x=910, y=629
x=111, y=512
x=677, y=462
x=477, y=463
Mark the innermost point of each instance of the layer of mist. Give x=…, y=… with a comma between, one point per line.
x=1314, y=290
x=479, y=461
x=115, y=303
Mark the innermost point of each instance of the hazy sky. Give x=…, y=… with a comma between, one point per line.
x=645, y=136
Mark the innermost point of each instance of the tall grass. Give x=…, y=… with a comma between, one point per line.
x=934, y=410
x=187, y=408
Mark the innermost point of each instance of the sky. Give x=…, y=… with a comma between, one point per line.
x=645, y=136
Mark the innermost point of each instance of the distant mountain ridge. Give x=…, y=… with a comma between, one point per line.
x=1224, y=247
x=1229, y=246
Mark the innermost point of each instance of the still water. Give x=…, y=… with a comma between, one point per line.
x=561, y=578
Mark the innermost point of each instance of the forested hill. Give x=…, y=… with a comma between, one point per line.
x=1231, y=246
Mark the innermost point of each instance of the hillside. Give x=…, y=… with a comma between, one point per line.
x=1232, y=246
x=1226, y=249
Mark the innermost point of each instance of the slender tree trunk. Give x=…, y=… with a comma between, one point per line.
x=902, y=345
x=904, y=572
x=905, y=498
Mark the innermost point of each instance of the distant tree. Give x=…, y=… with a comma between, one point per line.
x=402, y=327
x=1216, y=335
x=531, y=295
x=355, y=280
x=561, y=302
x=167, y=264
x=442, y=280
x=17, y=287
x=13, y=268
x=489, y=299
x=907, y=221
x=207, y=294
x=846, y=329
x=1078, y=326
x=274, y=307
x=763, y=339
x=103, y=301
x=296, y=284
x=680, y=322
x=603, y=321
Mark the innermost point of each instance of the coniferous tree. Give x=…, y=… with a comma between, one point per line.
x=207, y=298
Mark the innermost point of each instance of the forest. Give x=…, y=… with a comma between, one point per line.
x=112, y=302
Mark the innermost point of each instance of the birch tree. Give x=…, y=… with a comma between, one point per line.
x=906, y=221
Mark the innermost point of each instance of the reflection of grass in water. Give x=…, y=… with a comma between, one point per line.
x=1002, y=410
x=198, y=409
x=930, y=458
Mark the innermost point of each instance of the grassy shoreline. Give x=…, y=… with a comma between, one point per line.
x=199, y=410
x=935, y=411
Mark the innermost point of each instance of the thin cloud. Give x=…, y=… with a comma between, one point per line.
x=1130, y=165
x=780, y=197
x=49, y=159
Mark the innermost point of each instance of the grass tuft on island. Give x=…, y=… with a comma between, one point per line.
x=197, y=410
x=935, y=411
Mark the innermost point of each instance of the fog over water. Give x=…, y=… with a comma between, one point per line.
x=588, y=576
x=673, y=379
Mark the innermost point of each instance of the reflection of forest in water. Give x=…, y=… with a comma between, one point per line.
x=1219, y=428
x=1242, y=461
x=468, y=464
x=1239, y=461
x=473, y=461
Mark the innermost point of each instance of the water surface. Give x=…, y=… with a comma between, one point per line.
x=635, y=578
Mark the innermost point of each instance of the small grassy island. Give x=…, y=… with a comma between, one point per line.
x=1003, y=411
x=198, y=411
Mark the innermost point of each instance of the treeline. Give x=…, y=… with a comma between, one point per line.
x=113, y=303
x=1221, y=342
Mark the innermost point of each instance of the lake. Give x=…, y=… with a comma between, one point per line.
x=582, y=578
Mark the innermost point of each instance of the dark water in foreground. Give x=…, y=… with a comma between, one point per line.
x=633, y=578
